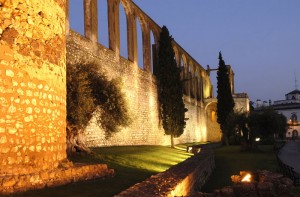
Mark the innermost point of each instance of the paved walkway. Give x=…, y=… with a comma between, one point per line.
x=290, y=154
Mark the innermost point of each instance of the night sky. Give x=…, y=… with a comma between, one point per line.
x=260, y=39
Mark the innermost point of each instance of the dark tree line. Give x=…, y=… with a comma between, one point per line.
x=244, y=128
x=265, y=124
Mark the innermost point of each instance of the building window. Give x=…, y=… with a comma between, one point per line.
x=293, y=118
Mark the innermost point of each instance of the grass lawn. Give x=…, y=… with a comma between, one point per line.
x=132, y=164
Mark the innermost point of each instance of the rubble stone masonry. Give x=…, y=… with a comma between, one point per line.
x=140, y=92
x=32, y=86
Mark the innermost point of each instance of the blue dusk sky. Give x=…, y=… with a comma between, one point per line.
x=260, y=39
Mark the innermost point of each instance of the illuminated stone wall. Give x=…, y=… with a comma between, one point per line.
x=140, y=90
x=32, y=85
x=214, y=132
x=139, y=84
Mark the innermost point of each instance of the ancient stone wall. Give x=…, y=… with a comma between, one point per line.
x=140, y=90
x=54, y=177
x=139, y=85
x=32, y=85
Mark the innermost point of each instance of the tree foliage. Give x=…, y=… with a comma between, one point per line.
x=244, y=128
x=268, y=123
x=90, y=93
x=170, y=88
x=225, y=103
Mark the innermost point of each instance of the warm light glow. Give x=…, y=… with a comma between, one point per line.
x=257, y=139
x=247, y=178
x=213, y=116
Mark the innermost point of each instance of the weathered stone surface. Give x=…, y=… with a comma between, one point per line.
x=227, y=192
x=141, y=98
x=32, y=120
x=266, y=189
x=59, y=176
x=245, y=189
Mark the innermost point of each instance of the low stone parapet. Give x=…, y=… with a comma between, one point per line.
x=180, y=180
x=60, y=176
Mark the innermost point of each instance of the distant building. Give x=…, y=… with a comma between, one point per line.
x=290, y=108
x=241, y=102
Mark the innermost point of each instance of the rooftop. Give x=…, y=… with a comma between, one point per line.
x=296, y=91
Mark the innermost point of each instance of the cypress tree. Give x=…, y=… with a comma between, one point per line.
x=170, y=88
x=225, y=103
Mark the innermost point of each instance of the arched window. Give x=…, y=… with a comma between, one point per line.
x=295, y=134
x=294, y=118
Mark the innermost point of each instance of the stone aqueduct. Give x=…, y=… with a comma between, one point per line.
x=35, y=45
x=139, y=84
x=199, y=86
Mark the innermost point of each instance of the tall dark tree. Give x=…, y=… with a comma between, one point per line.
x=225, y=103
x=172, y=109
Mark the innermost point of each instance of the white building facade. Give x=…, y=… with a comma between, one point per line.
x=290, y=108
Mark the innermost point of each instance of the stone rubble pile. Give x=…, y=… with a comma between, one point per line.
x=263, y=184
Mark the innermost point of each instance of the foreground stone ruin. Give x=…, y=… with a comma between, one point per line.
x=262, y=184
x=59, y=176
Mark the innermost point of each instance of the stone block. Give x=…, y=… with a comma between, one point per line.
x=9, y=182
x=266, y=189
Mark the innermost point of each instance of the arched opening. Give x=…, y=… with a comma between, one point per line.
x=184, y=75
x=201, y=86
x=153, y=52
x=139, y=35
x=197, y=89
x=295, y=134
x=177, y=57
x=123, y=32
x=103, y=23
x=77, y=16
x=192, y=80
x=213, y=116
x=182, y=67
